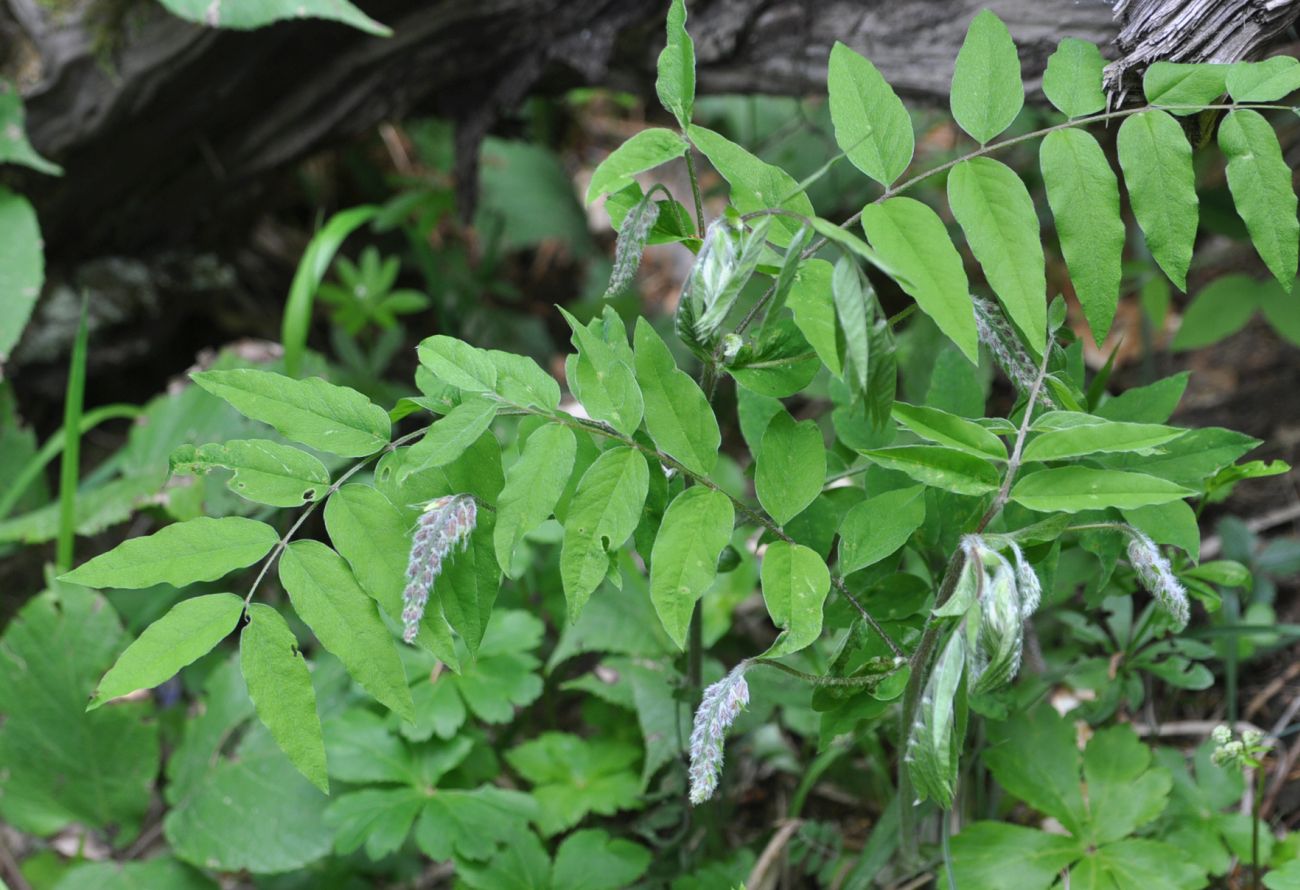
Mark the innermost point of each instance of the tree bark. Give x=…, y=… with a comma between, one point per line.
x=167, y=129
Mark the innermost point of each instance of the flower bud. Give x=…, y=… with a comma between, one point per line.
x=444, y=526
x=720, y=705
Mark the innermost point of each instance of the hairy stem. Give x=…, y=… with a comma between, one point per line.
x=695, y=191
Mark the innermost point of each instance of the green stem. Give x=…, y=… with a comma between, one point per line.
x=1254, y=825
x=69, y=469
x=335, y=486
x=756, y=516
x=53, y=447
x=820, y=680
x=695, y=191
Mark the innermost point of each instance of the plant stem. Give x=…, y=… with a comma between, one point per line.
x=695, y=191
x=69, y=468
x=817, y=680
x=1013, y=463
x=1254, y=825
x=335, y=486
x=756, y=516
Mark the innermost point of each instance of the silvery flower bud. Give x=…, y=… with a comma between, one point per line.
x=721, y=703
x=444, y=526
x=1157, y=576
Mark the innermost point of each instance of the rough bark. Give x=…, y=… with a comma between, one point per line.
x=167, y=128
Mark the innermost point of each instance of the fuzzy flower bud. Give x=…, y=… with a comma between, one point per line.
x=443, y=527
x=1157, y=576
x=631, y=243
x=720, y=705
x=1008, y=353
x=1030, y=588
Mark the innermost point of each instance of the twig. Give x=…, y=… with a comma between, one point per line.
x=1013, y=463
x=9, y=867
x=775, y=847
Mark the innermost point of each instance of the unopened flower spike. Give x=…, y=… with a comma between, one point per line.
x=444, y=525
x=1157, y=576
x=1008, y=353
x=720, y=705
x=1031, y=589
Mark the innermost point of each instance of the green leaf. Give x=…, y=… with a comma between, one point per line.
x=159, y=873
x=378, y=818
x=470, y=583
x=1265, y=81
x=318, y=414
x=374, y=536
x=1153, y=403
x=327, y=597
x=995, y=211
x=1157, y=163
x=58, y=764
x=188, y=631
x=677, y=413
x=279, y=685
x=813, y=306
x=1138, y=862
x=265, y=472
x=755, y=184
x=256, y=778
x=1191, y=458
x=986, y=90
x=572, y=777
x=1260, y=181
x=258, y=14
x=684, y=561
x=1123, y=792
x=1034, y=756
x=202, y=549
x=644, y=151
x=315, y=260
x=795, y=584
x=850, y=293
x=949, y=429
x=14, y=147
x=939, y=467
x=790, y=468
x=1084, y=196
x=675, y=84
x=871, y=125
x=982, y=853
x=604, y=512
x=1172, y=523
x=878, y=526
x=1073, y=489
x=470, y=824
x=1220, y=309
x=604, y=382
x=592, y=860
x=448, y=438
x=458, y=364
x=1187, y=85
x=1072, y=81
x=1093, y=438
x=521, y=381
x=534, y=484
x=22, y=256
x=912, y=238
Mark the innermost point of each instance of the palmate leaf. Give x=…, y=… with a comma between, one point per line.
x=1260, y=181
x=995, y=211
x=1084, y=196
x=572, y=777
x=1157, y=162
x=58, y=764
x=913, y=240
x=871, y=124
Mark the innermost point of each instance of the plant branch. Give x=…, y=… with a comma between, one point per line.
x=757, y=516
x=695, y=190
x=1017, y=451
x=335, y=486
